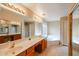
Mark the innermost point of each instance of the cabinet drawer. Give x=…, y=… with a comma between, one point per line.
x=30, y=50
x=30, y=54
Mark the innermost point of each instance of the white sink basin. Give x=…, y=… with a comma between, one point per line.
x=4, y=46
x=13, y=51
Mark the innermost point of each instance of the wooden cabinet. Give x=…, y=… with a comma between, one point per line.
x=44, y=44
x=30, y=51
x=37, y=44
x=38, y=47
x=6, y=38
x=41, y=46
x=1, y=39
x=30, y=54
x=27, y=52
x=17, y=36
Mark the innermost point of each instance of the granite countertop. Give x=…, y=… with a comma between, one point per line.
x=20, y=46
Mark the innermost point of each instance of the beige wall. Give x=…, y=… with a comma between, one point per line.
x=54, y=28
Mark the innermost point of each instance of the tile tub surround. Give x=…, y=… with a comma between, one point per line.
x=20, y=46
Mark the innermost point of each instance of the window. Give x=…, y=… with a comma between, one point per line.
x=75, y=28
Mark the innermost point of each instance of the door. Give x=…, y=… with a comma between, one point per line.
x=64, y=31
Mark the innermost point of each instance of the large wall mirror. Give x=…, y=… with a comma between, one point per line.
x=75, y=31
x=4, y=26
x=10, y=25
x=9, y=30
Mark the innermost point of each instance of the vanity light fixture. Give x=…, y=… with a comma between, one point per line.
x=3, y=22
x=12, y=6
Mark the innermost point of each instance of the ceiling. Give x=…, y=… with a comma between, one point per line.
x=49, y=11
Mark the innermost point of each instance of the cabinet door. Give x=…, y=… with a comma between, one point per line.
x=17, y=36
x=30, y=54
x=1, y=39
x=30, y=51
x=44, y=44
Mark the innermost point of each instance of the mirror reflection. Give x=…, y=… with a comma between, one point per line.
x=4, y=25
x=10, y=27
x=9, y=31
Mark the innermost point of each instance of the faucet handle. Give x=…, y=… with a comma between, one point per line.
x=29, y=38
x=13, y=44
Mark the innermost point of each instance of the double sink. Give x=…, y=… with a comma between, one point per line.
x=13, y=48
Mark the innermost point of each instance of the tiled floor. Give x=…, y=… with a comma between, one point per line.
x=56, y=51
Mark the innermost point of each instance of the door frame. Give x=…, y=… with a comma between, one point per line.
x=70, y=49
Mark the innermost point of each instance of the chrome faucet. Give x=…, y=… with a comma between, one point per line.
x=29, y=38
x=12, y=45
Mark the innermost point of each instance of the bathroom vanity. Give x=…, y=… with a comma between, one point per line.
x=23, y=47
x=37, y=47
